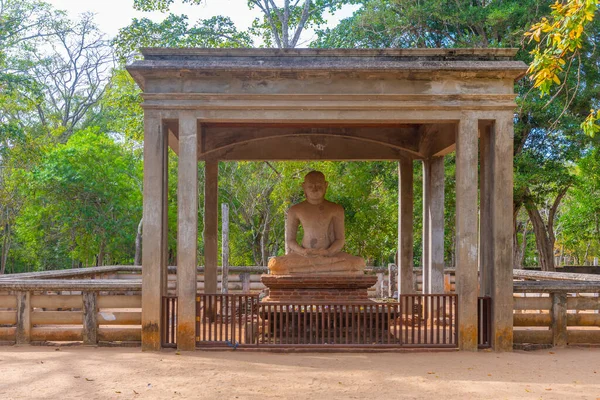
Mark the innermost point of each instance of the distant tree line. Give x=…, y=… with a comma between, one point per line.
x=71, y=132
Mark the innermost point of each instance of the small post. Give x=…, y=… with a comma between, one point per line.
x=245, y=278
x=379, y=286
x=392, y=280
x=90, y=318
x=23, y=318
x=225, y=248
x=559, y=319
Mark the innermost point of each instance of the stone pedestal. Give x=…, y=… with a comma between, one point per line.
x=317, y=288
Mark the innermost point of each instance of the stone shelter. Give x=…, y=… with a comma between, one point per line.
x=401, y=105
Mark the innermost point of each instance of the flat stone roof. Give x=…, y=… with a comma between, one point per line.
x=157, y=53
x=490, y=62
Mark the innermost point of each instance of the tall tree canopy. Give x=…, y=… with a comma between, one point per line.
x=71, y=130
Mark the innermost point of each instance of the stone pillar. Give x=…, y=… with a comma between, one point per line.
x=211, y=226
x=23, y=331
x=405, y=227
x=433, y=225
x=436, y=226
x=90, y=318
x=559, y=319
x=187, y=231
x=154, y=229
x=426, y=239
x=466, y=232
x=502, y=237
x=486, y=255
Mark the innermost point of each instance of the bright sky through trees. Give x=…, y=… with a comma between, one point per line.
x=111, y=15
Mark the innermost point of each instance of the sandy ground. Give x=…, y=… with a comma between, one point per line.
x=127, y=373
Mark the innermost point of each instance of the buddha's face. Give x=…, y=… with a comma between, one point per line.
x=314, y=187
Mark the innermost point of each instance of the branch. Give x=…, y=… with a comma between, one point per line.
x=281, y=17
x=552, y=212
x=267, y=12
x=303, y=19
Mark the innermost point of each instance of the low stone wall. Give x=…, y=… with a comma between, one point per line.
x=244, y=279
x=89, y=311
x=556, y=313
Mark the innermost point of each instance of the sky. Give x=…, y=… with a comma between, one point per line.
x=111, y=15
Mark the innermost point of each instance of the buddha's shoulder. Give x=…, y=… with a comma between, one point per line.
x=297, y=207
x=333, y=206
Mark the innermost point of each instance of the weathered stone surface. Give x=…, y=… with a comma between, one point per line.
x=341, y=263
x=294, y=288
x=494, y=63
x=324, y=237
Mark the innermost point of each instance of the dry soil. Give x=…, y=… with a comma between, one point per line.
x=129, y=373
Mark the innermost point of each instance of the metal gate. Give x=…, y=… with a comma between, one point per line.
x=231, y=320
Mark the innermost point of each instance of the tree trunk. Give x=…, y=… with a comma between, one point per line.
x=543, y=243
x=544, y=232
x=100, y=261
x=516, y=257
x=587, y=252
x=138, y=244
x=265, y=237
x=524, y=245
x=5, y=249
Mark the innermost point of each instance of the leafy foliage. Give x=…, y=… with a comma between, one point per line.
x=82, y=196
x=176, y=31
x=70, y=150
x=560, y=43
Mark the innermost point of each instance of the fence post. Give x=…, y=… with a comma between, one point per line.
x=559, y=319
x=245, y=278
x=23, y=318
x=90, y=318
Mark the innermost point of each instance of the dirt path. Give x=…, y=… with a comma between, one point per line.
x=127, y=373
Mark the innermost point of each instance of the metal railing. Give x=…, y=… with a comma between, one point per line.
x=484, y=322
x=169, y=325
x=427, y=321
x=226, y=319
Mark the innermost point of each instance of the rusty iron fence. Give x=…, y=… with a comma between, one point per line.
x=226, y=319
x=484, y=322
x=169, y=325
x=231, y=320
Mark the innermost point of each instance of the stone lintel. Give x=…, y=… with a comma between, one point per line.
x=414, y=63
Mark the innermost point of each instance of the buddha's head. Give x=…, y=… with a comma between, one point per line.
x=314, y=186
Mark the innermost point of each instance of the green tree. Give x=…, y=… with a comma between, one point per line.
x=560, y=39
x=547, y=136
x=281, y=25
x=84, y=203
x=176, y=31
x=580, y=218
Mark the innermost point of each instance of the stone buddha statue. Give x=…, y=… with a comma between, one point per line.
x=323, y=224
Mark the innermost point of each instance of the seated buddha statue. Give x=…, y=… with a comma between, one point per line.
x=323, y=225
